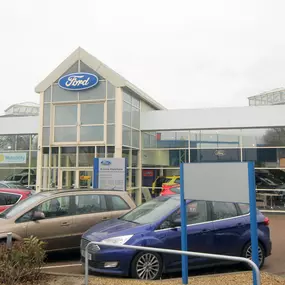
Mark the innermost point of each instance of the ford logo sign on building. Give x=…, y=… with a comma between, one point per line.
x=78, y=81
x=105, y=162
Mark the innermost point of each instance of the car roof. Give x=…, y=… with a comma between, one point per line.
x=88, y=191
x=15, y=191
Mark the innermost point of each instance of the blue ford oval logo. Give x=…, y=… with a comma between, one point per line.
x=78, y=81
x=105, y=162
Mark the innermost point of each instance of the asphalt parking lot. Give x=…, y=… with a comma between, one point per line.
x=69, y=262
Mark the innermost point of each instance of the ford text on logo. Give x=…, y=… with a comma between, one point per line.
x=105, y=162
x=78, y=81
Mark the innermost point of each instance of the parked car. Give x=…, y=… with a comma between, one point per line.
x=12, y=185
x=59, y=218
x=22, y=178
x=9, y=197
x=163, y=180
x=170, y=190
x=213, y=227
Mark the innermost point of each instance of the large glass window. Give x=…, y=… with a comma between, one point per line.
x=65, y=134
x=65, y=115
x=96, y=93
x=92, y=114
x=91, y=133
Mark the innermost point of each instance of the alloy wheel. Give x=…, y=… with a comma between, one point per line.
x=248, y=254
x=148, y=266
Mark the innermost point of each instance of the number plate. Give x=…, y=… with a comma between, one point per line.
x=83, y=254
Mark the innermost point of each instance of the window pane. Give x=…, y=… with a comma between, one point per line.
x=94, y=133
x=57, y=207
x=86, y=68
x=127, y=108
x=46, y=133
x=65, y=115
x=135, y=102
x=23, y=142
x=223, y=210
x=8, y=142
x=265, y=157
x=111, y=91
x=135, y=118
x=111, y=112
x=127, y=97
x=62, y=95
x=117, y=203
x=47, y=95
x=86, y=156
x=197, y=212
x=111, y=134
x=46, y=121
x=97, y=92
x=65, y=134
x=126, y=136
x=92, y=114
x=215, y=139
x=68, y=156
x=86, y=204
x=135, y=138
x=215, y=155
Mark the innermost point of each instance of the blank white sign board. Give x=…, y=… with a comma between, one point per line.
x=224, y=182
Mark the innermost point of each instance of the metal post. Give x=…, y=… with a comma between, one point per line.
x=253, y=220
x=177, y=252
x=9, y=240
x=184, y=236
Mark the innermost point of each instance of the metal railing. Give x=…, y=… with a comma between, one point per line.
x=169, y=251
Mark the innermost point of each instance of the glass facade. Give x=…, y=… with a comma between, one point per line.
x=131, y=141
x=18, y=159
x=162, y=153
x=77, y=126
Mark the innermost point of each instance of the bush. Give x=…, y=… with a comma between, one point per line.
x=22, y=262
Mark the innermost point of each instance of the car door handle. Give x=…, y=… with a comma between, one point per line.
x=105, y=218
x=204, y=231
x=65, y=224
x=239, y=225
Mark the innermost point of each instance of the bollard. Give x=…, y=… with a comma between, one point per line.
x=9, y=240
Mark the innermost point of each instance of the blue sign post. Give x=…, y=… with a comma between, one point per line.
x=253, y=221
x=225, y=182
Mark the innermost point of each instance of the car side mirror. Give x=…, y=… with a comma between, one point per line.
x=38, y=215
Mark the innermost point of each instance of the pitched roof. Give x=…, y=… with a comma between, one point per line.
x=100, y=68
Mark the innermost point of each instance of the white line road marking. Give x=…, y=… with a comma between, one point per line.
x=61, y=266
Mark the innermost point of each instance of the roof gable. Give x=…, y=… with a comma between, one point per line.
x=100, y=68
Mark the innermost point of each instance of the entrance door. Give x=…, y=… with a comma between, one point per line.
x=67, y=179
x=85, y=179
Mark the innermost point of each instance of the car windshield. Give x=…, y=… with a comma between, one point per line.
x=152, y=211
x=19, y=207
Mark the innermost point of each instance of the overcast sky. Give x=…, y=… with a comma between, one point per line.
x=185, y=54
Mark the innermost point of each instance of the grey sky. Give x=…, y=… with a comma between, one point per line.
x=185, y=54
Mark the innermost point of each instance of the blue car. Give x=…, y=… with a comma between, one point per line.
x=213, y=227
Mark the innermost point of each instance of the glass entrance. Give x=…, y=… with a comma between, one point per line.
x=85, y=179
x=75, y=179
x=67, y=179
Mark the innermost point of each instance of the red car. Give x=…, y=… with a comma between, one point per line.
x=9, y=197
x=170, y=189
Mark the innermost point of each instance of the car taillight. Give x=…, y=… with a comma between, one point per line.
x=266, y=221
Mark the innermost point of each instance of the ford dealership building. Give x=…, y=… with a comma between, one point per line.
x=87, y=110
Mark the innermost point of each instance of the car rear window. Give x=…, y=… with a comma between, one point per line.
x=244, y=208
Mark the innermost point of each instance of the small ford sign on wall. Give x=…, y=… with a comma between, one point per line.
x=78, y=81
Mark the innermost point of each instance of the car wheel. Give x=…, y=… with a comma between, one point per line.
x=147, y=266
x=247, y=253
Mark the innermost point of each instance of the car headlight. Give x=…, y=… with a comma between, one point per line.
x=117, y=240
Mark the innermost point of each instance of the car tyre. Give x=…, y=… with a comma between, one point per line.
x=261, y=253
x=147, y=266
